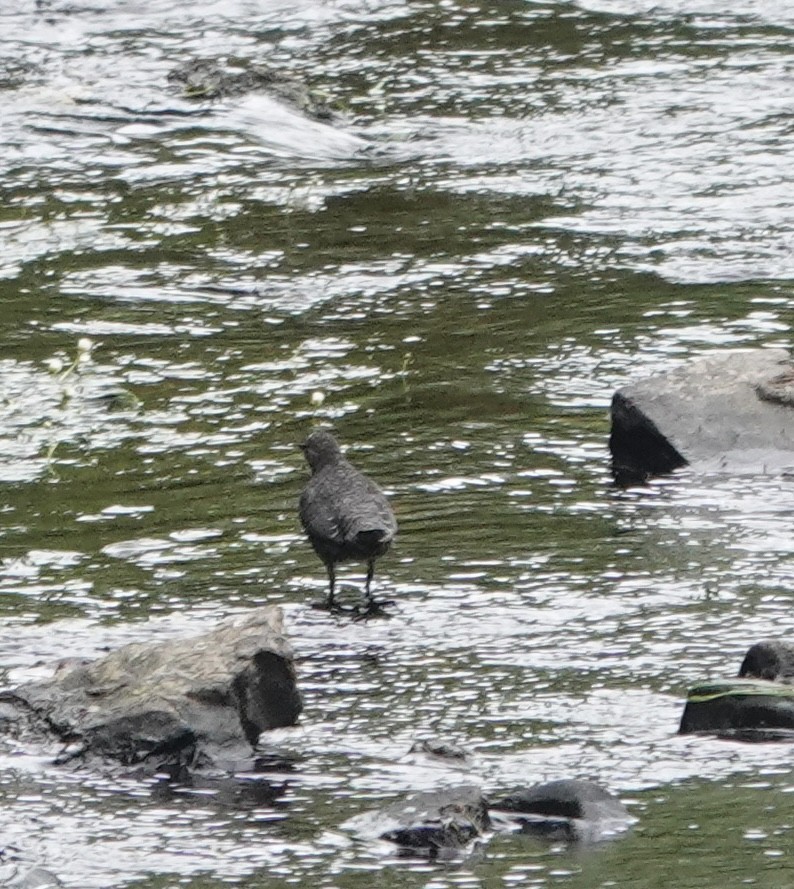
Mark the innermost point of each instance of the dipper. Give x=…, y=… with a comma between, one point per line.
x=344, y=513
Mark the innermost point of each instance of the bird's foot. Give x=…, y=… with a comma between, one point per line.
x=334, y=607
x=373, y=609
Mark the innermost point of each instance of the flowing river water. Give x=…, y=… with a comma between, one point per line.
x=521, y=206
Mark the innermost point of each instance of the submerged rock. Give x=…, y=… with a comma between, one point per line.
x=20, y=873
x=729, y=411
x=431, y=823
x=187, y=702
x=567, y=809
x=440, y=749
x=443, y=822
x=212, y=79
x=35, y=878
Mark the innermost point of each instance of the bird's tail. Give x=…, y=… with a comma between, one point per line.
x=374, y=536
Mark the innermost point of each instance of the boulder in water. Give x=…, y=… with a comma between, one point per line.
x=729, y=411
x=433, y=823
x=567, y=809
x=198, y=701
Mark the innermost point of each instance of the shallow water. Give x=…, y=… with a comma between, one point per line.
x=523, y=207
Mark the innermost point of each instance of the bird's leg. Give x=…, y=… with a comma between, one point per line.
x=370, y=575
x=331, y=584
x=372, y=608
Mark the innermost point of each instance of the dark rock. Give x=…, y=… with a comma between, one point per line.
x=429, y=823
x=344, y=513
x=189, y=702
x=758, y=706
x=639, y=450
x=725, y=412
x=747, y=709
x=117, y=399
x=568, y=809
x=769, y=659
x=212, y=79
x=275, y=761
x=440, y=749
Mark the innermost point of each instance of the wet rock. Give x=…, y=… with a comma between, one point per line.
x=567, y=809
x=729, y=412
x=117, y=399
x=758, y=706
x=214, y=79
x=431, y=823
x=182, y=703
x=742, y=709
x=770, y=659
x=440, y=749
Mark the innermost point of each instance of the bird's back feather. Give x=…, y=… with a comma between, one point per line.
x=345, y=514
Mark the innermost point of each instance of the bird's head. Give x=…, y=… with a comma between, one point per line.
x=321, y=449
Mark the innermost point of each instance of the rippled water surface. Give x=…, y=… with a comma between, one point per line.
x=519, y=207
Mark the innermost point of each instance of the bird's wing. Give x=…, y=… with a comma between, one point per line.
x=366, y=509
x=319, y=514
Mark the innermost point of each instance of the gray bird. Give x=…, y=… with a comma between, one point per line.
x=344, y=513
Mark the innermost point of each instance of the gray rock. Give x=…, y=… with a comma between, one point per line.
x=779, y=389
x=213, y=79
x=198, y=701
x=567, y=809
x=727, y=412
x=440, y=749
x=431, y=823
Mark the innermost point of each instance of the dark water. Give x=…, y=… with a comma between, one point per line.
x=526, y=205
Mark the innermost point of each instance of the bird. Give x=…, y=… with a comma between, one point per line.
x=343, y=512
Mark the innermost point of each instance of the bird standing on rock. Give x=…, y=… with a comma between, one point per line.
x=344, y=513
